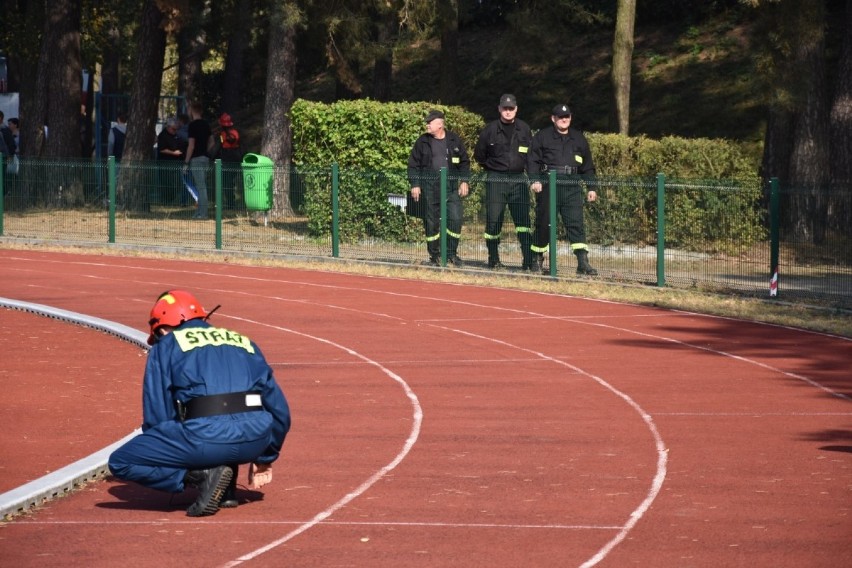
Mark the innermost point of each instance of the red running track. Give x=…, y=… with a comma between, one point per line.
x=448, y=425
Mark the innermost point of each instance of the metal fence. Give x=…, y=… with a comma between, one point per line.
x=720, y=236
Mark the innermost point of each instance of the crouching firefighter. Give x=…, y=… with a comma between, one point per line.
x=209, y=402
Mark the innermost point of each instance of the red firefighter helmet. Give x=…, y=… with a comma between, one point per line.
x=172, y=308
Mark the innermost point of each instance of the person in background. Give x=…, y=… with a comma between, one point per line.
x=15, y=127
x=231, y=156
x=8, y=137
x=183, y=136
x=170, y=154
x=183, y=128
x=209, y=402
x=117, y=135
x=196, y=160
x=435, y=149
x=564, y=150
x=502, y=151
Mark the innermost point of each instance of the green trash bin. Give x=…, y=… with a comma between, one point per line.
x=258, y=182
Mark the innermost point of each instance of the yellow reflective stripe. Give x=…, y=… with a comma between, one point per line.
x=579, y=246
x=433, y=238
x=539, y=249
x=452, y=234
x=523, y=230
x=491, y=237
x=194, y=337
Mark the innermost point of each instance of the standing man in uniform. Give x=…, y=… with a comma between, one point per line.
x=502, y=150
x=564, y=150
x=196, y=160
x=439, y=148
x=209, y=402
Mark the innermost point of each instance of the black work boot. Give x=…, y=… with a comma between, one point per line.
x=494, y=254
x=583, y=266
x=527, y=253
x=537, y=263
x=229, y=497
x=211, y=485
x=434, y=251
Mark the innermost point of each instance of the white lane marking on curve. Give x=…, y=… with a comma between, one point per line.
x=417, y=412
x=662, y=452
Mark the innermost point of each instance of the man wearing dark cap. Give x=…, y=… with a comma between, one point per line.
x=502, y=151
x=564, y=150
x=439, y=148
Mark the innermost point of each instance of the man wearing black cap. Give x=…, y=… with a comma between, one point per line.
x=502, y=151
x=439, y=148
x=565, y=150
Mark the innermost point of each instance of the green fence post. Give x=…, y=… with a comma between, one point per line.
x=2, y=190
x=774, y=239
x=335, y=210
x=661, y=230
x=551, y=196
x=111, y=184
x=444, y=216
x=217, y=191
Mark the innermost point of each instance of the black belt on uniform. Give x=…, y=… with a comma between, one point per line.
x=217, y=404
x=567, y=170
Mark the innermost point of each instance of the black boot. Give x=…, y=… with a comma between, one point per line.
x=452, y=254
x=583, y=266
x=211, y=485
x=434, y=254
x=229, y=497
x=526, y=241
x=537, y=263
x=494, y=254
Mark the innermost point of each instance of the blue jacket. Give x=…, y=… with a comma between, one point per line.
x=197, y=359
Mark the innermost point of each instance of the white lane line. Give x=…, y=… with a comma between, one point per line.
x=662, y=451
x=740, y=358
x=417, y=415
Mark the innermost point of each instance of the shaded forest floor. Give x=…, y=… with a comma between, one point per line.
x=688, y=80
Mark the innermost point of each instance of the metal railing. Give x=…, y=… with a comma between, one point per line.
x=722, y=236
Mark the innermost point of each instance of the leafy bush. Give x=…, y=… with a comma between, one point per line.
x=712, y=196
x=370, y=142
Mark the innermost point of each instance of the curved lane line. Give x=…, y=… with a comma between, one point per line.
x=409, y=443
x=662, y=452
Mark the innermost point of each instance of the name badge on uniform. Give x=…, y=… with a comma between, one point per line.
x=456, y=160
x=523, y=149
x=578, y=158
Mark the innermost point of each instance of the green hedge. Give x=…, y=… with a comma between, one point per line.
x=371, y=141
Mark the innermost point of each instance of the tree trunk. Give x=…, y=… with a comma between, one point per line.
x=64, y=76
x=840, y=135
x=191, y=47
x=280, y=85
x=142, y=115
x=448, y=21
x=622, y=58
x=237, y=45
x=796, y=149
x=809, y=162
x=383, y=65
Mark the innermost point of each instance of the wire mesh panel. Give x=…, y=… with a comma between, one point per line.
x=716, y=232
